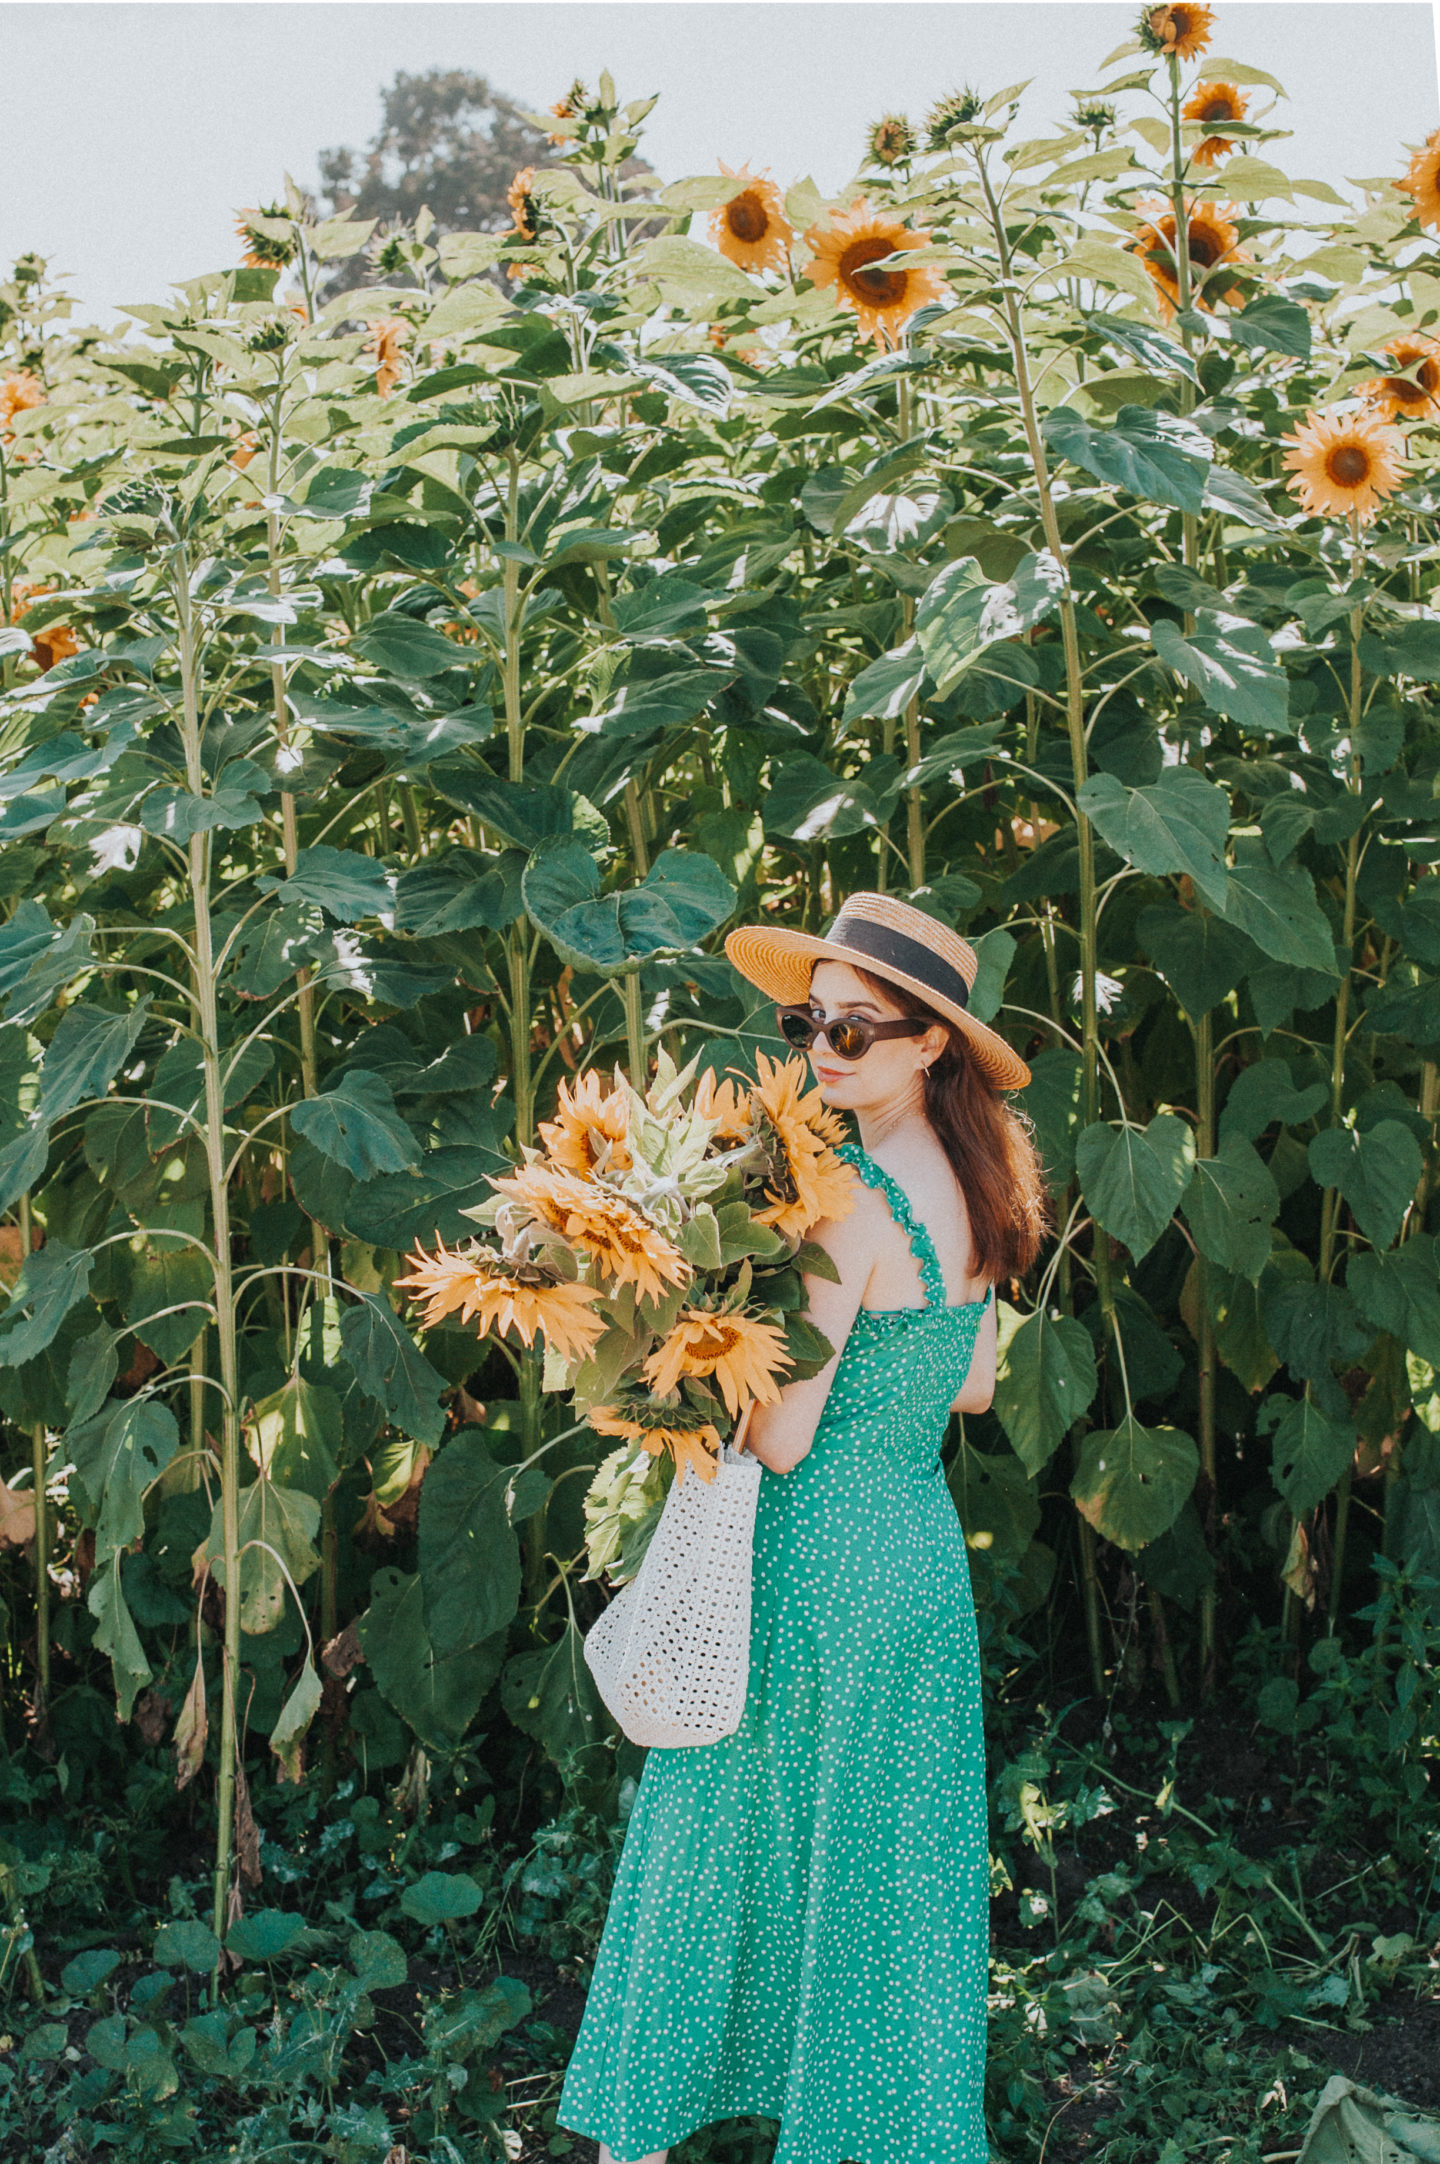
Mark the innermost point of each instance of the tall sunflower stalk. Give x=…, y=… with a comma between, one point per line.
x=654, y=1247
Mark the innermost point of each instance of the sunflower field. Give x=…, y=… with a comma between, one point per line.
x=403, y=691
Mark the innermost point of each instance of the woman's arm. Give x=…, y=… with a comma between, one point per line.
x=978, y=1388
x=780, y=1435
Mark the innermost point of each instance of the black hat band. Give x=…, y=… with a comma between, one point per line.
x=882, y=943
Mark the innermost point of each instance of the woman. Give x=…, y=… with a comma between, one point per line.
x=799, y=1922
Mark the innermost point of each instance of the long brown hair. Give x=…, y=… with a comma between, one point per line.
x=989, y=1144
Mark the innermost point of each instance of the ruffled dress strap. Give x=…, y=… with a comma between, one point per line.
x=932, y=1277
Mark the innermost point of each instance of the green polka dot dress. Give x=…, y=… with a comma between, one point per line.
x=799, y=1925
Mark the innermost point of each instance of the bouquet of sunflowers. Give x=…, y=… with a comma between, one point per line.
x=656, y=1244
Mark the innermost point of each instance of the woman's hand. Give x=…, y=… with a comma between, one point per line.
x=978, y=1388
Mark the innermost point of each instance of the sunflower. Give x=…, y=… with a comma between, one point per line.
x=1180, y=30
x=725, y=1102
x=522, y=204
x=1215, y=105
x=386, y=342
x=18, y=394
x=665, y=1427
x=1408, y=397
x=1422, y=180
x=957, y=110
x=478, y=1286
x=740, y=1351
x=1211, y=240
x=851, y=254
x=602, y=1224
x=589, y=1127
x=572, y=106
x=810, y=1181
x=53, y=642
x=262, y=250
x=1344, y=464
x=247, y=443
x=892, y=140
x=752, y=230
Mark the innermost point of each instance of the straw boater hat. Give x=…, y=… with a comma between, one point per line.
x=894, y=941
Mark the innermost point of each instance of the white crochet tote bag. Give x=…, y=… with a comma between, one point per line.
x=671, y=1653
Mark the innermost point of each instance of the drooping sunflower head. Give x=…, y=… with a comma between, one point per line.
x=959, y=110
x=892, y=141
x=744, y=1353
x=524, y=214
x=264, y=251
x=386, y=343
x=661, y=1424
x=1344, y=465
x=752, y=230
x=573, y=106
x=588, y=1132
x=619, y=1238
x=479, y=1286
x=19, y=394
x=1181, y=29
x=853, y=255
x=726, y=1103
x=1212, y=240
x=803, y=1178
x=1422, y=181
x=1412, y=393
x=1215, y=105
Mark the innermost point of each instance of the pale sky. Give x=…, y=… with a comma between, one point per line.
x=129, y=133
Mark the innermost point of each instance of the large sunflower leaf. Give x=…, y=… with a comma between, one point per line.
x=1310, y=1452
x=86, y=1051
x=1377, y=1173
x=962, y=611
x=1176, y=824
x=1230, y=1205
x=50, y=1282
x=1400, y=1292
x=355, y=1123
x=1200, y=957
x=1045, y=1380
x=1278, y=910
x=1159, y=457
x=390, y=1368
x=469, y=1560
x=1131, y=1482
x=1133, y=1177
x=437, y=1694
x=1232, y=665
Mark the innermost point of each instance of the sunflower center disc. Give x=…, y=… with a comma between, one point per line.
x=861, y=268
x=1348, y=465
x=747, y=218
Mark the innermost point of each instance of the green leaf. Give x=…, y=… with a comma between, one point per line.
x=684, y=896
x=342, y=882
x=175, y=1105
x=659, y=702
x=1201, y=958
x=1045, y=1380
x=459, y=891
x=962, y=611
x=1156, y=456
x=86, y=1051
x=378, y=1960
x=438, y=1695
x=116, y=1636
x=1143, y=341
x=277, y=1528
x=994, y=951
x=1278, y=910
x=1176, y=824
x=88, y=1971
x=1272, y=324
x=164, y=1274
x=355, y=1124
x=234, y=802
x=296, y=1435
x=1131, y=1482
x=265, y=1934
x=390, y=1368
x=441, y=1897
x=1400, y=1292
x=1132, y=1178
x=1230, y=1205
x=298, y=1711
x=400, y=646
x=1266, y=1092
x=1311, y=1451
x=1377, y=1173
x=50, y=1282
x=117, y=1455
x=428, y=1204
x=882, y=691
x=1052, y=1103
x=809, y=802
x=37, y=957
x=1311, y=1325
x=1233, y=667
x=188, y=1944
x=469, y=1561
x=551, y=1694
x=22, y=1164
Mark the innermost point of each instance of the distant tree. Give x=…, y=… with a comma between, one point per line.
x=447, y=140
